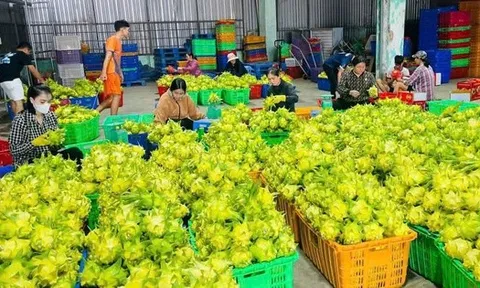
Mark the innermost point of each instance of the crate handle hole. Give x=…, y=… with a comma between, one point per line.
x=379, y=248
x=254, y=274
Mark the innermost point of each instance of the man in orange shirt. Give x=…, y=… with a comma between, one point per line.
x=112, y=75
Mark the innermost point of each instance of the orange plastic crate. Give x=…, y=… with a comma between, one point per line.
x=181, y=64
x=207, y=60
x=226, y=22
x=226, y=37
x=291, y=217
x=373, y=264
x=253, y=39
x=249, y=47
x=305, y=112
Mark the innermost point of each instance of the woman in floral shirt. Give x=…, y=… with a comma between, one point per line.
x=354, y=85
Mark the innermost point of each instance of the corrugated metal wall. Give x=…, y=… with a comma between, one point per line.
x=358, y=17
x=12, y=27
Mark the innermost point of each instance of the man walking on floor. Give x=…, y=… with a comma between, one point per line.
x=11, y=65
x=112, y=75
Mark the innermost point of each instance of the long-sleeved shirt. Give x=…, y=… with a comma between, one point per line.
x=350, y=81
x=422, y=80
x=192, y=68
x=237, y=69
x=289, y=91
x=169, y=108
x=25, y=128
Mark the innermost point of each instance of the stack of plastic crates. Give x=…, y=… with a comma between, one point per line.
x=164, y=57
x=226, y=40
x=205, y=50
x=441, y=61
x=129, y=63
x=427, y=38
x=474, y=8
x=454, y=34
x=93, y=64
x=255, y=49
x=69, y=59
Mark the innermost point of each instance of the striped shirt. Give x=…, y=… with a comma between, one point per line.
x=422, y=80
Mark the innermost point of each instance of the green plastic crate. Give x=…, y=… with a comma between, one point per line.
x=204, y=47
x=277, y=273
x=285, y=50
x=460, y=51
x=86, y=146
x=460, y=63
x=82, y=132
x=454, y=41
x=453, y=272
x=437, y=107
x=111, y=125
x=208, y=67
x=274, y=138
x=225, y=28
x=244, y=94
x=94, y=214
x=203, y=96
x=454, y=29
x=232, y=97
x=225, y=46
x=214, y=112
x=424, y=255
x=194, y=96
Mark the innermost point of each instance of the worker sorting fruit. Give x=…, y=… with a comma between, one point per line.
x=176, y=105
x=280, y=88
x=35, y=131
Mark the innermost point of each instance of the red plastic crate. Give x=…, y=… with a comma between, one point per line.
x=460, y=56
x=162, y=90
x=457, y=45
x=454, y=19
x=54, y=107
x=387, y=95
x=101, y=98
x=459, y=73
x=422, y=104
x=295, y=72
x=256, y=91
x=5, y=156
x=406, y=97
x=454, y=35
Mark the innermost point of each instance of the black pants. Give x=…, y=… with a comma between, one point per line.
x=341, y=104
x=332, y=75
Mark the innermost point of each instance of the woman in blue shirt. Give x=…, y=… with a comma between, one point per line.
x=334, y=66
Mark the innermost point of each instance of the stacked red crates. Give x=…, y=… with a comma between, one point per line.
x=255, y=49
x=474, y=8
x=454, y=33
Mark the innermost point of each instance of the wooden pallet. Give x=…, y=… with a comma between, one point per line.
x=134, y=83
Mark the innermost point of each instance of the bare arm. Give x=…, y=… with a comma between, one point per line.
x=35, y=73
x=108, y=57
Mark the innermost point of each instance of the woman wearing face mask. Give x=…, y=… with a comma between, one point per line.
x=176, y=105
x=354, y=85
x=280, y=87
x=33, y=122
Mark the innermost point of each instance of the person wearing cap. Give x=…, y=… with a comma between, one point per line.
x=422, y=79
x=334, y=67
x=235, y=66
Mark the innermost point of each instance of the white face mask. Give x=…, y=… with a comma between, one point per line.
x=42, y=108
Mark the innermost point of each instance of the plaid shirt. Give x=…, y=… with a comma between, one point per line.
x=422, y=80
x=350, y=81
x=25, y=128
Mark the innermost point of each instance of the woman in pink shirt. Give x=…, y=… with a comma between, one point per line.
x=192, y=67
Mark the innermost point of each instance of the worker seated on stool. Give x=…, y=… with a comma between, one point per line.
x=399, y=73
x=176, y=105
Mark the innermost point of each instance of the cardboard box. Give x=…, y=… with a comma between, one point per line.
x=419, y=96
x=463, y=97
x=438, y=79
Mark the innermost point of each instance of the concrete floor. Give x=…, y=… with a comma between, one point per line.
x=141, y=99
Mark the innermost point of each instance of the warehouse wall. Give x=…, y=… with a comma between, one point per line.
x=357, y=17
x=12, y=27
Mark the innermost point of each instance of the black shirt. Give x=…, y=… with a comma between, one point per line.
x=237, y=69
x=11, y=65
x=288, y=90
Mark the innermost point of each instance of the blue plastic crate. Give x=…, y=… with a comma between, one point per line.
x=4, y=170
x=83, y=262
x=203, y=36
x=87, y=102
x=259, y=69
x=323, y=84
x=11, y=115
x=255, y=52
x=93, y=58
x=131, y=75
x=440, y=54
x=265, y=88
x=139, y=140
x=222, y=61
x=93, y=67
x=317, y=57
x=129, y=61
x=130, y=47
x=203, y=123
